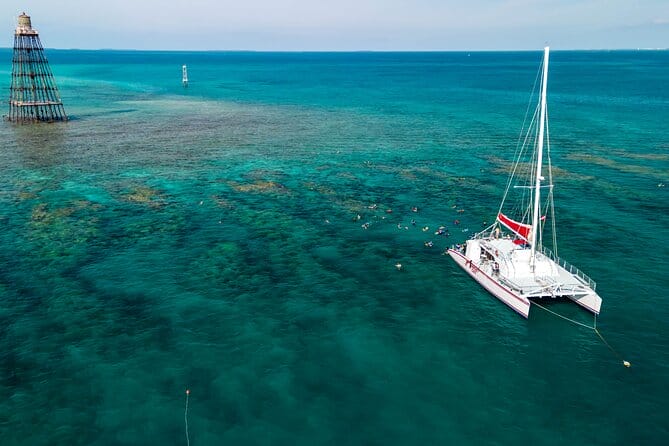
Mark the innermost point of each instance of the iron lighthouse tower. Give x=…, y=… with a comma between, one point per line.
x=33, y=93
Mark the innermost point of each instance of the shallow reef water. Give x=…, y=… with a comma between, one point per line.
x=239, y=238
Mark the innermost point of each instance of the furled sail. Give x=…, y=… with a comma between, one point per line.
x=520, y=229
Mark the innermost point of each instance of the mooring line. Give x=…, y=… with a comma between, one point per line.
x=564, y=317
x=593, y=328
x=625, y=363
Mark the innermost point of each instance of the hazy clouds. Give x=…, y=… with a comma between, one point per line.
x=344, y=24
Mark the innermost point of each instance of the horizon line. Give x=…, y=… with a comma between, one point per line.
x=353, y=51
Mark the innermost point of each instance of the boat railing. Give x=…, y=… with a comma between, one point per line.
x=569, y=267
x=484, y=233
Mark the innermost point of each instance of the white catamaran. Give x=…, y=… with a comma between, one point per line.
x=508, y=258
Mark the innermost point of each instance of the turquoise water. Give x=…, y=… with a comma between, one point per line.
x=208, y=238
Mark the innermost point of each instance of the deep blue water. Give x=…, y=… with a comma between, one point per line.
x=208, y=238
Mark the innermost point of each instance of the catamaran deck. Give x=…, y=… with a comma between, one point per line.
x=514, y=267
x=509, y=264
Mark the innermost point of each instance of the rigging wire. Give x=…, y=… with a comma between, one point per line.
x=550, y=182
x=521, y=146
x=526, y=197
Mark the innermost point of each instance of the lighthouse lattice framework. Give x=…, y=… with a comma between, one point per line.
x=33, y=94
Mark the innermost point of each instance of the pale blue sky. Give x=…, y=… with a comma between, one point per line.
x=343, y=24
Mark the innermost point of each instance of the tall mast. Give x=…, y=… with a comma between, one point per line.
x=540, y=153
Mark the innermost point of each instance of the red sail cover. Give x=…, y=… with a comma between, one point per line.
x=520, y=229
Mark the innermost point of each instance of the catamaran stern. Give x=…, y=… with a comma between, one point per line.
x=591, y=302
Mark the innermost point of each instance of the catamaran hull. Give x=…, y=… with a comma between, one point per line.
x=518, y=303
x=591, y=302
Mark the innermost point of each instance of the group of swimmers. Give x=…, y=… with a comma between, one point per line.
x=441, y=230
